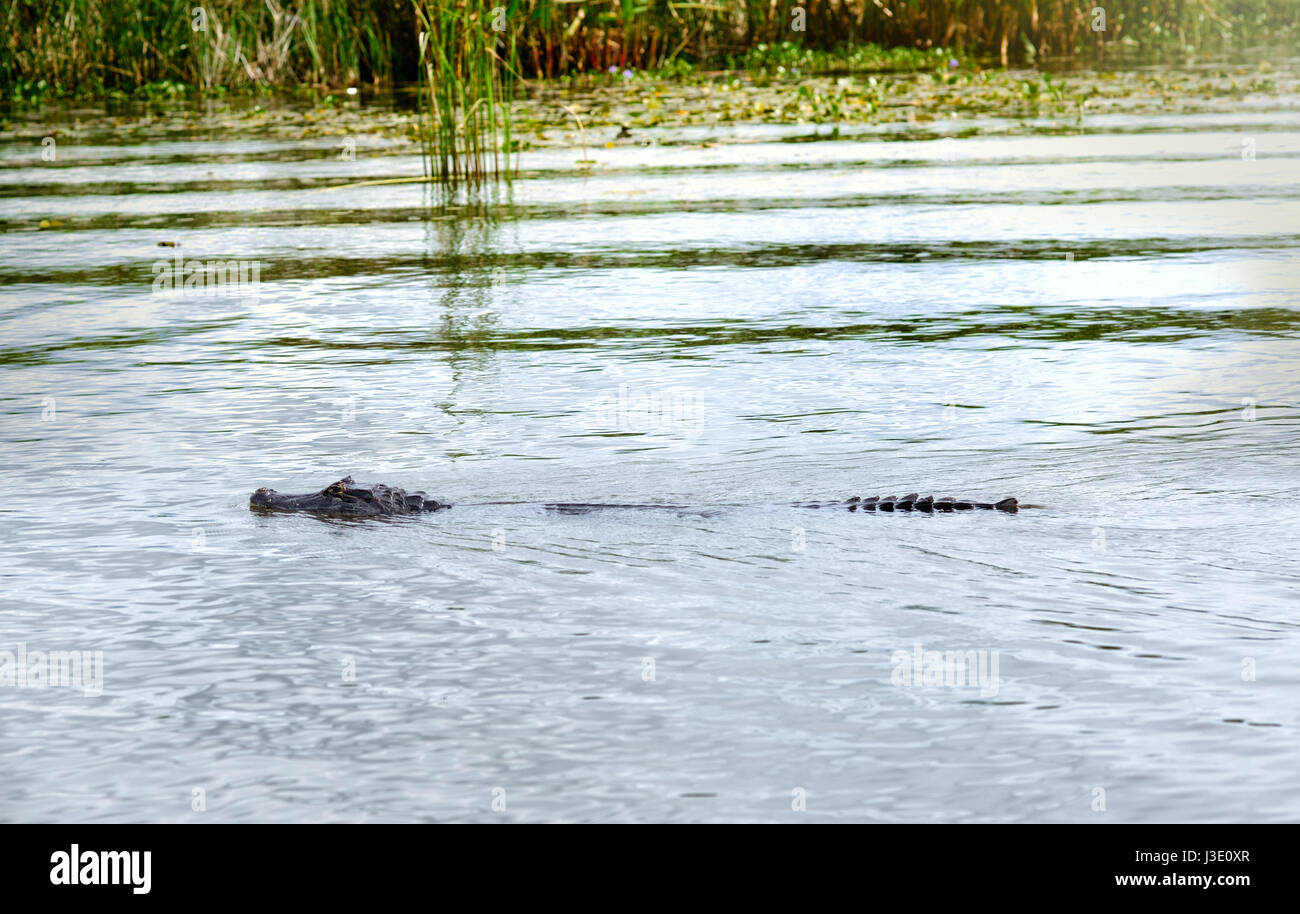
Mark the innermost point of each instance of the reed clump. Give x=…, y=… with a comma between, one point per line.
x=576, y=36
x=99, y=46
x=120, y=45
x=468, y=67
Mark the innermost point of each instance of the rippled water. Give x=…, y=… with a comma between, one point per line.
x=1100, y=320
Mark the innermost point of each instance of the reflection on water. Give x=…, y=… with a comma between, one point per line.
x=1102, y=323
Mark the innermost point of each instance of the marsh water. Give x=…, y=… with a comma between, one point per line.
x=1099, y=317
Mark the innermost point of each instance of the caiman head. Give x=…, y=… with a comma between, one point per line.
x=348, y=498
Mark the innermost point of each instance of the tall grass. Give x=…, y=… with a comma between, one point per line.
x=561, y=37
x=121, y=44
x=468, y=67
x=101, y=45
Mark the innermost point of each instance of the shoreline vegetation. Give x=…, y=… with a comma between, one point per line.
x=494, y=78
x=707, y=109
x=92, y=48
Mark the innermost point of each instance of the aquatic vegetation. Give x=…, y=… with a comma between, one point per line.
x=933, y=104
x=66, y=47
x=795, y=59
x=468, y=67
x=62, y=47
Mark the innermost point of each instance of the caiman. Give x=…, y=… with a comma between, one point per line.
x=348, y=498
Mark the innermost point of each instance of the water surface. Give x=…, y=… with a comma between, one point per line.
x=1100, y=318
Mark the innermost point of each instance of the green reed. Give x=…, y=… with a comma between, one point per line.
x=101, y=45
x=117, y=45
x=565, y=37
x=468, y=70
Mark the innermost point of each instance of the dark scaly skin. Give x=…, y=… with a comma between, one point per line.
x=347, y=498
x=929, y=504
